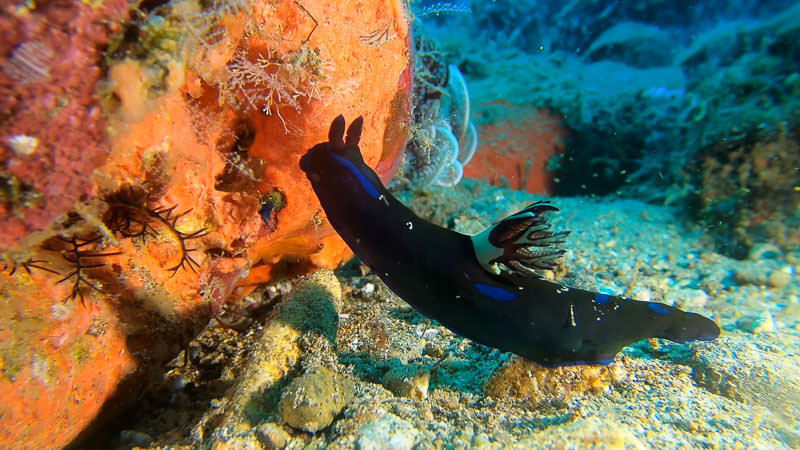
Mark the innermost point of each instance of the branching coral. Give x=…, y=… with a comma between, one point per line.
x=27, y=265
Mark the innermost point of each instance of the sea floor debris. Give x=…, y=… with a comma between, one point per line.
x=401, y=379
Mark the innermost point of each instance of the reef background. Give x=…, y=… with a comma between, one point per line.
x=156, y=223
x=149, y=176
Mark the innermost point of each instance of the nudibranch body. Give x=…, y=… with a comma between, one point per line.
x=483, y=287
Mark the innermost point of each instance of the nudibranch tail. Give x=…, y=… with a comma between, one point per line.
x=483, y=287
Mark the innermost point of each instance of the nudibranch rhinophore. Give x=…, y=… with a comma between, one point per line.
x=483, y=287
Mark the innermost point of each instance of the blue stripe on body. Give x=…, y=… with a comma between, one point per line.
x=659, y=308
x=495, y=292
x=360, y=176
x=601, y=299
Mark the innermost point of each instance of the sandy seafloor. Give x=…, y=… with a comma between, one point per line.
x=739, y=391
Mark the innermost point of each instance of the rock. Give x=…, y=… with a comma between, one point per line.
x=760, y=252
x=311, y=401
x=750, y=273
x=387, y=433
x=408, y=381
x=584, y=433
x=538, y=384
x=780, y=278
x=742, y=370
x=272, y=435
x=238, y=443
x=135, y=438
x=312, y=307
x=764, y=322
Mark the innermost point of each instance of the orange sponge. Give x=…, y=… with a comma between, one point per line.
x=208, y=114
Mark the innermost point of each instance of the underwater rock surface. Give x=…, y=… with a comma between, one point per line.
x=736, y=390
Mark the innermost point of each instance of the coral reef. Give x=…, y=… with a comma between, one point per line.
x=52, y=132
x=644, y=95
x=150, y=176
x=748, y=192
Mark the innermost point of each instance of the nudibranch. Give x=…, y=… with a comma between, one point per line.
x=483, y=287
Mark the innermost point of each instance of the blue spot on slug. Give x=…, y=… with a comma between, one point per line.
x=496, y=293
x=659, y=308
x=361, y=178
x=601, y=299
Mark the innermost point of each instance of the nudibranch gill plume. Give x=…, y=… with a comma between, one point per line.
x=483, y=287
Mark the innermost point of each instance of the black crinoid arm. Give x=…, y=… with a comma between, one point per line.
x=521, y=242
x=132, y=213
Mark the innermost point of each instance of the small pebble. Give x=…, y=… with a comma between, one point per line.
x=272, y=435
x=23, y=145
x=764, y=322
x=761, y=252
x=244, y=442
x=751, y=274
x=408, y=381
x=387, y=433
x=780, y=278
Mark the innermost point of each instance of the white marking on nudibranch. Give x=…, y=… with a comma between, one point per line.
x=572, y=316
x=410, y=225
